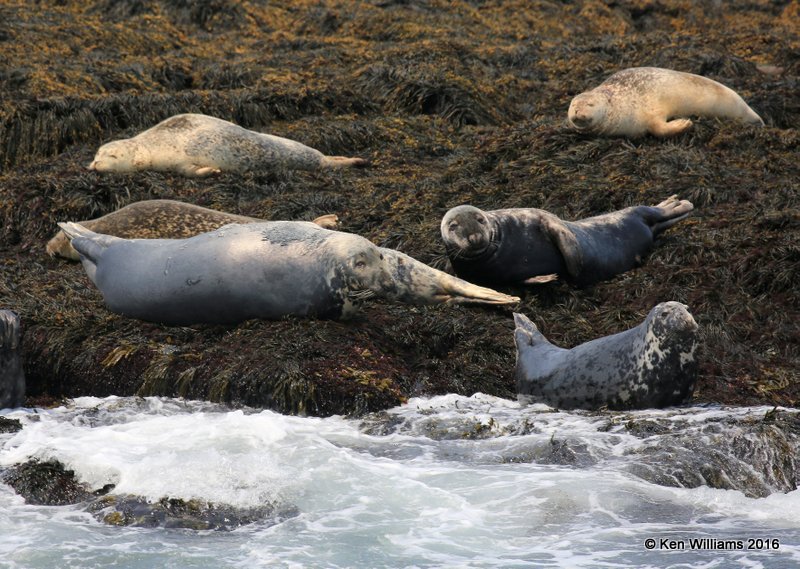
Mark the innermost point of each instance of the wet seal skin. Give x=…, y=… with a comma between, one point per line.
x=12, y=376
x=197, y=145
x=259, y=270
x=527, y=245
x=649, y=366
x=650, y=100
x=160, y=219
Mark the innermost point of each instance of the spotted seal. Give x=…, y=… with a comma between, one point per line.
x=12, y=377
x=198, y=145
x=259, y=270
x=160, y=219
x=509, y=246
x=641, y=100
x=650, y=365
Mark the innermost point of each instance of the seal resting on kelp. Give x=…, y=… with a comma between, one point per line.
x=650, y=366
x=260, y=270
x=507, y=246
x=198, y=145
x=641, y=100
x=12, y=377
x=159, y=219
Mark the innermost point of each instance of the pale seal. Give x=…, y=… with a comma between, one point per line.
x=641, y=100
x=159, y=219
x=650, y=366
x=508, y=246
x=260, y=270
x=12, y=377
x=198, y=145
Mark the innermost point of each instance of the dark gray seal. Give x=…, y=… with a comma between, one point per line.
x=508, y=246
x=198, y=145
x=12, y=377
x=650, y=366
x=641, y=100
x=259, y=270
x=159, y=219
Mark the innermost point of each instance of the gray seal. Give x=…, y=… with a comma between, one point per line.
x=198, y=145
x=159, y=219
x=641, y=100
x=508, y=246
x=650, y=366
x=260, y=270
x=12, y=377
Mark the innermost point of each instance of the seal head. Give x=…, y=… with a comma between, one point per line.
x=121, y=156
x=588, y=111
x=467, y=232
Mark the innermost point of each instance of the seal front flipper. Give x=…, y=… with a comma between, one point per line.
x=667, y=213
x=563, y=237
x=89, y=245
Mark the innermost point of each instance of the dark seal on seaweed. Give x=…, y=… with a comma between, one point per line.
x=258, y=270
x=641, y=100
x=12, y=377
x=198, y=145
x=650, y=366
x=508, y=246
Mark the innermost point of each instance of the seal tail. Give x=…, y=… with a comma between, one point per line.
x=668, y=213
x=343, y=162
x=89, y=245
x=526, y=333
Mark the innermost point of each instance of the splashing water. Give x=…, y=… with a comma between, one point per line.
x=448, y=481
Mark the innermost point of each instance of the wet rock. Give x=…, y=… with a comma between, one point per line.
x=9, y=425
x=46, y=483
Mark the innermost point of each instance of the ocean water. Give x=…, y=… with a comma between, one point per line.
x=447, y=481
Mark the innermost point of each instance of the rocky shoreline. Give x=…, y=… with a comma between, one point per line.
x=452, y=104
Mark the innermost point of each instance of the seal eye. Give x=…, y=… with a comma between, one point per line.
x=453, y=226
x=480, y=220
x=360, y=264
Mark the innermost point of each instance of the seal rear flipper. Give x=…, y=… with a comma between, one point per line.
x=566, y=241
x=89, y=245
x=526, y=333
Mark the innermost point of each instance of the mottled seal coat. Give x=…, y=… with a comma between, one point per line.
x=12, y=377
x=159, y=219
x=198, y=145
x=651, y=365
x=508, y=246
x=641, y=100
x=259, y=270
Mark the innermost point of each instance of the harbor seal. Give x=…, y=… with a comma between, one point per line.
x=651, y=365
x=259, y=270
x=508, y=246
x=12, y=377
x=160, y=219
x=198, y=145
x=641, y=100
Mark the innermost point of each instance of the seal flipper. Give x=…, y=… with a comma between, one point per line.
x=526, y=333
x=667, y=213
x=89, y=245
x=566, y=241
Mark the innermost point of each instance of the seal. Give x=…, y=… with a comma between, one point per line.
x=197, y=145
x=160, y=219
x=528, y=245
x=641, y=100
x=650, y=365
x=259, y=270
x=12, y=377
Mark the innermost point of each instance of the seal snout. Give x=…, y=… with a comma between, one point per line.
x=475, y=239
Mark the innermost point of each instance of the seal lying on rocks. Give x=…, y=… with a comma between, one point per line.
x=198, y=145
x=159, y=219
x=651, y=365
x=12, y=378
x=508, y=246
x=259, y=270
x=641, y=100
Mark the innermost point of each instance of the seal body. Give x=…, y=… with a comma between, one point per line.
x=509, y=246
x=259, y=270
x=198, y=145
x=641, y=100
x=12, y=377
x=159, y=219
x=651, y=365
